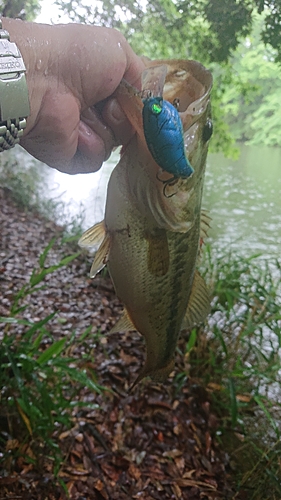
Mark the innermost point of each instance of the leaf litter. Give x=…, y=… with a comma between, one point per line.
x=156, y=442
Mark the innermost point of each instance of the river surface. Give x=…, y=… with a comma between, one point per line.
x=243, y=198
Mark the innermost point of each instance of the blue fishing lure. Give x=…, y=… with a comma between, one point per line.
x=164, y=137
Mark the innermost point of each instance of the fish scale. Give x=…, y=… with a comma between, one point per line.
x=151, y=238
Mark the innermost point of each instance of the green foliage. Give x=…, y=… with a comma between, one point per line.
x=271, y=33
x=246, y=306
x=22, y=9
x=22, y=183
x=40, y=382
x=252, y=103
x=211, y=27
x=237, y=357
x=230, y=21
x=25, y=179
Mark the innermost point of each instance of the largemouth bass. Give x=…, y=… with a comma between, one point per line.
x=150, y=237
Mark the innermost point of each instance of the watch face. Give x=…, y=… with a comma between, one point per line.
x=14, y=95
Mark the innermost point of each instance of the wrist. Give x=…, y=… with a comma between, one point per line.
x=14, y=102
x=33, y=48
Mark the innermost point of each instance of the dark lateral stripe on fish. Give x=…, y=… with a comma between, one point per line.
x=172, y=323
x=158, y=252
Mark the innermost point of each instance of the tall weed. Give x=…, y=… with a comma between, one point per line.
x=238, y=356
x=39, y=385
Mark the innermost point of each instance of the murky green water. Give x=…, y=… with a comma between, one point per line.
x=243, y=198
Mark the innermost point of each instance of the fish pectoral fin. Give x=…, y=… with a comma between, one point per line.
x=101, y=256
x=124, y=324
x=199, y=303
x=96, y=239
x=93, y=237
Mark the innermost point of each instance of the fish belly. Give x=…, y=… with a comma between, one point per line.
x=152, y=270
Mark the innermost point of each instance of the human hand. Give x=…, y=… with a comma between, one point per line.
x=72, y=72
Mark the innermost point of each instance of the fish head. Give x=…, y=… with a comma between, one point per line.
x=188, y=85
x=172, y=203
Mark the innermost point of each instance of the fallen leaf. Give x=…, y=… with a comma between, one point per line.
x=172, y=453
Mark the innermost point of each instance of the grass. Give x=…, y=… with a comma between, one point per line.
x=237, y=357
x=40, y=385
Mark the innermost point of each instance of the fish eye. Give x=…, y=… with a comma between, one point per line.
x=207, y=130
x=176, y=103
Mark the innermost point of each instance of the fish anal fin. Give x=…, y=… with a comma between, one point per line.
x=124, y=324
x=93, y=237
x=101, y=256
x=158, y=252
x=158, y=375
x=199, y=303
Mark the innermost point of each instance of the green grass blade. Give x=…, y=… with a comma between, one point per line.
x=52, y=351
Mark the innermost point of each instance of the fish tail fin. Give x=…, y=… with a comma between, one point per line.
x=97, y=238
x=158, y=375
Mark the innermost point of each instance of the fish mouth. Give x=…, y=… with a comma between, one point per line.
x=193, y=102
x=185, y=83
x=188, y=82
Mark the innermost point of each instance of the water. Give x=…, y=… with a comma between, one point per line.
x=88, y=190
x=242, y=197
x=244, y=201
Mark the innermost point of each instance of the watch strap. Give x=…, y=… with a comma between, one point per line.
x=14, y=102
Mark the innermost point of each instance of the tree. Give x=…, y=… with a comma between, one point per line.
x=253, y=104
x=211, y=28
x=23, y=9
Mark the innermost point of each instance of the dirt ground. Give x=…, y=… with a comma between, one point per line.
x=156, y=442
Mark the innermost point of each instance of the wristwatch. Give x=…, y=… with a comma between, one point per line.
x=14, y=102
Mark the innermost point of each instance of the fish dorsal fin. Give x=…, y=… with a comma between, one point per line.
x=93, y=237
x=101, y=256
x=124, y=324
x=199, y=303
x=205, y=224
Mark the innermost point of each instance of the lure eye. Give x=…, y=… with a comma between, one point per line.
x=207, y=130
x=156, y=108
